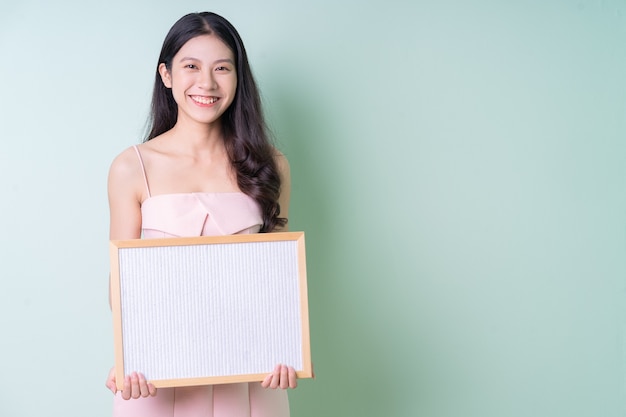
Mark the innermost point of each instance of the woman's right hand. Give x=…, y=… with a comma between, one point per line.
x=135, y=385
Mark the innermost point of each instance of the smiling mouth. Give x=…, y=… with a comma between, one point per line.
x=204, y=100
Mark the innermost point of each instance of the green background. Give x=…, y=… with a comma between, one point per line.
x=458, y=168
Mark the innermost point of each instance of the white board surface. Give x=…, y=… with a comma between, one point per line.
x=209, y=311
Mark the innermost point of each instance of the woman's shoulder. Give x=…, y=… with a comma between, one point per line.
x=134, y=156
x=282, y=166
x=281, y=161
x=127, y=168
x=125, y=161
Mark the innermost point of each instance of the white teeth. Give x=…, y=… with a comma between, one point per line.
x=204, y=100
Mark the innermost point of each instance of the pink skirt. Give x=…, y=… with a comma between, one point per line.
x=229, y=400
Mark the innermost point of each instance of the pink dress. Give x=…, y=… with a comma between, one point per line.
x=202, y=214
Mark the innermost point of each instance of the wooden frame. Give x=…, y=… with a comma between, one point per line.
x=210, y=310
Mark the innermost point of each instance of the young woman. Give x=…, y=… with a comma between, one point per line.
x=206, y=167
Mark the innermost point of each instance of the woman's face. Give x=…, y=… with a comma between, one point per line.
x=203, y=79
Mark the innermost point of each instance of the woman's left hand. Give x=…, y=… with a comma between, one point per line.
x=282, y=377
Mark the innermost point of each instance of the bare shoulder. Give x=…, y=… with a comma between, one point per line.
x=282, y=163
x=125, y=160
x=126, y=193
x=125, y=174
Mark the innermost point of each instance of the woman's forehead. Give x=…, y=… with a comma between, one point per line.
x=205, y=48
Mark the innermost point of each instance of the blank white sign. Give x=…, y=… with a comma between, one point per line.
x=208, y=310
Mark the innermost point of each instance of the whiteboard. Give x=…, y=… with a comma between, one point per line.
x=210, y=310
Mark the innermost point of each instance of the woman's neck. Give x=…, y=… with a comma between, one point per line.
x=196, y=137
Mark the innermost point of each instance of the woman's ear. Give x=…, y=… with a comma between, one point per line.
x=165, y=75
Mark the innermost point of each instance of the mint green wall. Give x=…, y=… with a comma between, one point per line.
x=459, y=170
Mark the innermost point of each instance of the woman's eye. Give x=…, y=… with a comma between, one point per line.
x=190, y=66
x=221, y=69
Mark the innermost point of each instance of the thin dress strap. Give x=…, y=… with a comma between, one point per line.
x=143, y=170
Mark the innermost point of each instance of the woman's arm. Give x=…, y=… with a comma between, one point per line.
x=285, y=188
x=125, y=190
x=283, y=376
x=124, y=198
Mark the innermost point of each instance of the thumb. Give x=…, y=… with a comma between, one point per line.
x=110, y=383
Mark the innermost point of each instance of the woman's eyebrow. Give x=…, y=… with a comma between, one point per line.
x=217, y=61
x=227, y=60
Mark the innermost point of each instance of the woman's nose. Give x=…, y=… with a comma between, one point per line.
x=207, y=80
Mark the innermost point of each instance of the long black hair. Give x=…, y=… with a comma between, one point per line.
x=247, y=142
